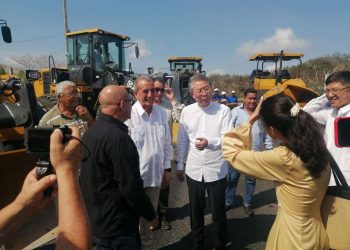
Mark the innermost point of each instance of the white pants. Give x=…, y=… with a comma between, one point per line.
x=145, y=233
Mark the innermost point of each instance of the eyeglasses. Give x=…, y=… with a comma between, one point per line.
x=161, y=90
x=129, y=100
x=335, y=91
x=146, y=91
x=75, y=93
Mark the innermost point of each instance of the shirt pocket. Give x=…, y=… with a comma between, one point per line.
x=138, y=136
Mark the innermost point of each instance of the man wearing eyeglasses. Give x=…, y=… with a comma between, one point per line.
x=202, y=125
x=68, y=110
x=149, y=129
x=326, y=108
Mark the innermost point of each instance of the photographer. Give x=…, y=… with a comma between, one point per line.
x=72, y=213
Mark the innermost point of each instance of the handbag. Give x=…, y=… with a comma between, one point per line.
x=335, y=210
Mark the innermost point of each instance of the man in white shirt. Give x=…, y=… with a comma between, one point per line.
x=149, y=129
x=326, y=108
x=202, y=126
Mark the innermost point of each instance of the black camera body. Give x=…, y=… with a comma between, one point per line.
x=38, y=139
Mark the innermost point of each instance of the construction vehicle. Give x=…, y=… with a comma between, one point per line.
x=181, y=70
x=18, y=112
x=95, y=58
x=271, y=77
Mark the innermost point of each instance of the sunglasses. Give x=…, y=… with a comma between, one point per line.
x=161, y=90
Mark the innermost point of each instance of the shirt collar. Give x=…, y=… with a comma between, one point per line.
x=207, y=107
x=139, y=109
x=111, y=119
x=343, y=111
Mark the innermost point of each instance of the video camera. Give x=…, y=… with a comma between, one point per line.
x=38, y=142
x=38, y=139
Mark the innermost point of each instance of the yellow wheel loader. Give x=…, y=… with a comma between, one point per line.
x=271, y=77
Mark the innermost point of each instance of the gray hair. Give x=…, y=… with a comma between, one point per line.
x=62, y=85
x=142, y=78
x=197, y=78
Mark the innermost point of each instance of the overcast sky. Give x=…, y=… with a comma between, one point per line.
x=225, y=33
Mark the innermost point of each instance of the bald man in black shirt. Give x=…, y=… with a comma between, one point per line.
x=110, y=179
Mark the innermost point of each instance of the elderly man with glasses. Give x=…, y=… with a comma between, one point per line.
x=149, y=129
x=68, y=110
x=326, y=108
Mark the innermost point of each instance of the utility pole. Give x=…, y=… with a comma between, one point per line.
x=66, y=30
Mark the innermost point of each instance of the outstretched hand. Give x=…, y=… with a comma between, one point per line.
x=32, y=193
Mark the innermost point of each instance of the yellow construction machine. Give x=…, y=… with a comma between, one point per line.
x=271, y=77
x=95, y=58
x=181, y=70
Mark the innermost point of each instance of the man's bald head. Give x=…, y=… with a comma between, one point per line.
x=115, y=101
x=112, y=94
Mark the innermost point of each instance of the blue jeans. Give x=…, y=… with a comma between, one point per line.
x=130, y=241
x=232, y=181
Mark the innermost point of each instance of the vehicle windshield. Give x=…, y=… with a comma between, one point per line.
x=108, y=50
x=184, y=66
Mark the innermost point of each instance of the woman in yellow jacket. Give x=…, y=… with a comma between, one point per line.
x=298, y=166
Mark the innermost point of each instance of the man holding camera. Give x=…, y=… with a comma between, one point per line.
x=68, y=110
x=72, y=215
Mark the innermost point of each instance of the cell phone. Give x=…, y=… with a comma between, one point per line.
x=342, y=132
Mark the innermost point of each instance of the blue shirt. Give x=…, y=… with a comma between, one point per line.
x=239, y=116
x=216, y=97
x=231, y=99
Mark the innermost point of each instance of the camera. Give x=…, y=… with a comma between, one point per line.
x=38, y=139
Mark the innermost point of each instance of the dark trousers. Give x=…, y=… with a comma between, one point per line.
x=216, y=198
x=163, y=202
x=130, y=241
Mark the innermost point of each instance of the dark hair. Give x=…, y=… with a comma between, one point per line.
x=341, y=76
x=302, y=132
x=159, y=79
x=250, y=90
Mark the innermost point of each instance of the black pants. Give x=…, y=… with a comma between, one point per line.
x=130, y=241
x=163, y=202
x=216, y=198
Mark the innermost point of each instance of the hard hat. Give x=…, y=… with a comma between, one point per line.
x=216, y=89
x=233, y=92
x=223, y=92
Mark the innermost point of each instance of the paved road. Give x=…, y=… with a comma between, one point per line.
x=242, y=232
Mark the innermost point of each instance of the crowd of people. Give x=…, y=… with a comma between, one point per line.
x=124, y=182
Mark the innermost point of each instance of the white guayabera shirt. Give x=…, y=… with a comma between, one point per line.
x=211, y=123
x=152, y=137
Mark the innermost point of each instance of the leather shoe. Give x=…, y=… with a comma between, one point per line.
x=166, y=224
x=249, y=210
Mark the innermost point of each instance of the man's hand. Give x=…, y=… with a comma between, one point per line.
x=65, y=157
x=32, y=193
x=169, y=93
x=154, y=224
x=255, y=115
x=201, y=143
x=84, y=113
x=166, y=179
x=180, y=174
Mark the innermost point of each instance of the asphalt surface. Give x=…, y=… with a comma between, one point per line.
x=243, y=232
